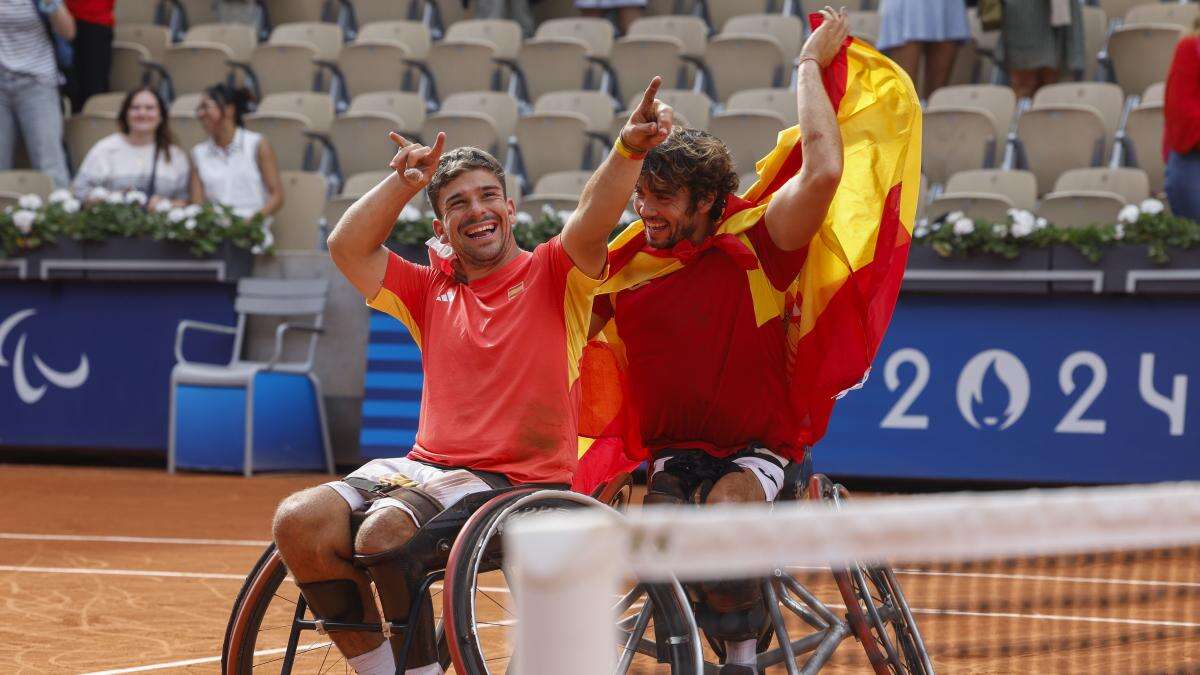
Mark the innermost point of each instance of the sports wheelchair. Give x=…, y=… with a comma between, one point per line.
x=458, y=555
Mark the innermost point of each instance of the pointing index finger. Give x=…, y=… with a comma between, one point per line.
x=399, y=140
x=648, y=97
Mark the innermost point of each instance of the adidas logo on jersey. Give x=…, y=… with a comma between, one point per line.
x=448, y=296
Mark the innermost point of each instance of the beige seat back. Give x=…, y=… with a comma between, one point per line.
x=372, y=66
x=285, y=132
x=503, y=34
x=739, y=62
x=297, y=223
x=127, y=72
x=638, y=59
x=136, y=11
x=596, y=106
x=414, y=35
x=465, y=129
x=691, y=31
x=26, y=182
x=1060, y=138
x=551, y=142
x=1105, y=97
x=1132, y=184
x=787, y=30
x=865, y=26
x=1118, y=8
x=499, y=105
x=361, y=183
x=154, y=38
x=315, y=106
x=199, y=11
x=406, y=106
x=108, y=104
x=292, y=11
x=188, y=131
x=998, y=100
x=693, y=106
x=361, y=141
x=1141, y=55
x=325, y=38
x=958, y=139
x=370, y=11
x=240, y=38
x=779, y=101
x=1080, y=209
x=1180, y=14
x=721, y=11
x=597, y=34
x=553, y=64
x=195, y=67
x=1019, y=187
x=461, y=65
x=569, y=183
x=749, y=135
x=1144, y=132
x=980, y=206
x=1095, y=30
x=83, y=131
x=283, y=67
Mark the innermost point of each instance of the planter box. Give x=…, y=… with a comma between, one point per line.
x=958, y=273
x=134, y=259
x=63, y=249
x=1116, y=264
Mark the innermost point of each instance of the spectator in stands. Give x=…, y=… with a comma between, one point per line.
x=141, y=156
x=93, y=49
x=29, y=84
x=627, y=10
x=1181, y=135
x=933, y=29
x=1039, y=41
x=517, y=10
x=234, y=166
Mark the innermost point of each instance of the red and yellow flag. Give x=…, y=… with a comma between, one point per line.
x=839, y=308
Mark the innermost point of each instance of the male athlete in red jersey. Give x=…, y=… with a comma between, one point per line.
x=501, y=335
x=709, y=383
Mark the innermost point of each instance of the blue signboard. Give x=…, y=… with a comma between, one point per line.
x=392, y=396
x=87, y=365
x=1051, y=389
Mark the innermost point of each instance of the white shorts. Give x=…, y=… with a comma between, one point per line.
x=764, y=464
x=447, y=486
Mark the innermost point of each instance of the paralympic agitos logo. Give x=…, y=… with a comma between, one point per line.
x=32, y=392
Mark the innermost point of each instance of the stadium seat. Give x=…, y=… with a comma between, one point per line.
x=1056, y=138
x=195, y=12
x=719, y=12
x=361, y=141
x=749, y=135
x=1105, y=97
x=1080, y=208
x=638, y=59
x=187, y=129
x=412, y=34
x=972, y=65
x=190, y=68
x=324, y=38
x=558, y=191
x=779, y=101
x=500, y=106
x=594, y=105
x=788, y=31
x=252, y=416
x=865, y=26
x=316, y=107
x=958, y=139
x=239, y=38
x=154, y=38
x=285, y=131
x=1154, y=93
x=1141, y=55
x=372, y=65
x=1143, y=138
x=405, y=106
x=356, y=186
x=691, y=31
x=279, y=67
x=503, y=34
x=1181, y=14
x=465, y=128
x=987, y=194
x=370, y=11
x=462, y=65
x=551, y=142
x=1130, y=183
x=26, y=182
x=694, y=106
x=137, y=11
x=104, y=104
x=552, y=64
x=297, y=223
x=1095, y=33
x=737, y=62
x=1118, y=8
x=597, y=34
x=998, y=100
x=82, y=131
x=291, y=11
x=127, y=71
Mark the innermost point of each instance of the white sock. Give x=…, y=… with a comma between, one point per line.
x=434, y=668
x=744, y=653
x=378, y=661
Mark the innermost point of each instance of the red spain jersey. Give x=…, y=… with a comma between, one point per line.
x=702, y=372
x=501, y=361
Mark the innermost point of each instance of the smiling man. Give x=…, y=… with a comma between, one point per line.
x=501, y=331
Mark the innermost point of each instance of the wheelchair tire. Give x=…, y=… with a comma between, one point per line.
x=269, y=597
x=476, y=553
x=876, y=609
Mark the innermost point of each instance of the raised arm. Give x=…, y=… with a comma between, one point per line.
x=797, y=210
x=585, y=236
x=356, y=244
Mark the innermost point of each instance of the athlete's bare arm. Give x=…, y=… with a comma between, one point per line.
x=585, y=236
x=356, y=244
x=796, y=211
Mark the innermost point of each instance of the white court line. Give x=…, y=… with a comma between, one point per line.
x=206, y=659
x=1024, y=577
x=118, y=572
x=18, y=536
x=1058, y=617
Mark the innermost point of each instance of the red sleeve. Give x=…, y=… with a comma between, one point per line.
x=1181, y=104
x=405, y=291
x=555, y=257
x=781, y=267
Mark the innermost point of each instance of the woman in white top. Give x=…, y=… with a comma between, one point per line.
x=141, y=156
x=235, y=167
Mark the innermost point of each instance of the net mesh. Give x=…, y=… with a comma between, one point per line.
x=1101, y=580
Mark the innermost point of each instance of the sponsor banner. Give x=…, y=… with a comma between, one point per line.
x=1045, y=389
x=88, y=365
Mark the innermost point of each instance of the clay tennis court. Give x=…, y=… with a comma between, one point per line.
x=134, y=570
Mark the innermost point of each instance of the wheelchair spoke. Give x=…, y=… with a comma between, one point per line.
x=287, y=600
x=498, y=604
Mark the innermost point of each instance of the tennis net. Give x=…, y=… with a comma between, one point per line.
x=1069, y=580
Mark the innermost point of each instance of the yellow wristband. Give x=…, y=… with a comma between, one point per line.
x=626, y=151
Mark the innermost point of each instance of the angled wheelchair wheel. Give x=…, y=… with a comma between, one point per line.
x=654, y=624
x=263, y=635
x=875, y=606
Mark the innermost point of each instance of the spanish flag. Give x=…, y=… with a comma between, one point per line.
x=839, y=308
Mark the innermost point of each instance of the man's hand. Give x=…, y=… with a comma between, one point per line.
x=416, y=163
x=650, y=123
x=826, y=40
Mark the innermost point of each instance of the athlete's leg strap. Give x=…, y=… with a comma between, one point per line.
x=398, y=576
x=335, y=600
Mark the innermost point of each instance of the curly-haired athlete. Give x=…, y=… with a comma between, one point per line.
x=708, y=381
x=500, y=331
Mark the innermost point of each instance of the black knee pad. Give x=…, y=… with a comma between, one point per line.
x=746, y=624
x=665, y=488
x=397, y=578
x=334, y=600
